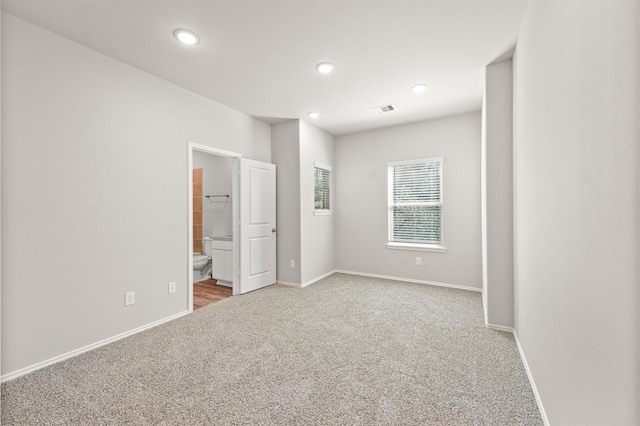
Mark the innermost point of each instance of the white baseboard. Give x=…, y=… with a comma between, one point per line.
x=318, y=278
x=76, y=352
x=409, y=280
x=288, y=284
x=499, y=327
x=484, y=306
x=532, y=382
x=308, y=282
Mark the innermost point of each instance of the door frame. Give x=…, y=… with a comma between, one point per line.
x=191, y=147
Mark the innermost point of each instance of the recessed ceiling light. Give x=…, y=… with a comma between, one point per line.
x=325, y=67
x=313, y=115
x=419, y=88
x=186, y=36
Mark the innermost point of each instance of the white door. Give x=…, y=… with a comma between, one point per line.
x=257, y=225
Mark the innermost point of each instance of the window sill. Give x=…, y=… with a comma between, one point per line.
x=322, y=212
x=416, y=247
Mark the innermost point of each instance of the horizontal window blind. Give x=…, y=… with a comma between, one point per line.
x=322, y=189
x=415, y=202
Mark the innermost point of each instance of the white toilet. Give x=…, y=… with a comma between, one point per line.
x=202, y=261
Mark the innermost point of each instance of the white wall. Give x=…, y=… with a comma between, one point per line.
x=576, y=207
x=361, y=200
x=306, y=239
x=94, y=192
x=497, y=194
x=318, y=232
x=1, y=133
x=285, y=154
x=217, y=213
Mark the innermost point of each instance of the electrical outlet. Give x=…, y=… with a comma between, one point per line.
x=129, y=298
x=419, y=261
x=172, y=287
x=292, y=264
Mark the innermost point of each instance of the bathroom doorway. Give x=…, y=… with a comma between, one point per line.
x=213, y=207
x=246, y=260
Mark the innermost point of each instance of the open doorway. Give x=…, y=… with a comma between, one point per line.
x=247, y=259
x=212, y=220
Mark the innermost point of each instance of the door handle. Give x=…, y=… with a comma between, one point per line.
x=273, y=230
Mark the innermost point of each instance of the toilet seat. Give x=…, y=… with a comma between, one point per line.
x=200, y=258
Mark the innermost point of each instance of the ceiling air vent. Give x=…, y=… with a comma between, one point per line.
x=385, y=108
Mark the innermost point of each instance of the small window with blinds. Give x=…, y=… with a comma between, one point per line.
x=415, y=204
x=322, y=191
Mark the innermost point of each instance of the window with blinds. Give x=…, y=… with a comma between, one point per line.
x=415, y=202
x=322, y=192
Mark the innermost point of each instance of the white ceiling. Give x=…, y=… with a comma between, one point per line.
x=259, y=56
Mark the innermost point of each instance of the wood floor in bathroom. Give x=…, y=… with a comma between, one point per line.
x=207, y=292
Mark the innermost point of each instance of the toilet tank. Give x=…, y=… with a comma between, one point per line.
x=207, y=246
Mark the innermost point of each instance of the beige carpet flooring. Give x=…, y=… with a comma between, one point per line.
x=346, y=350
